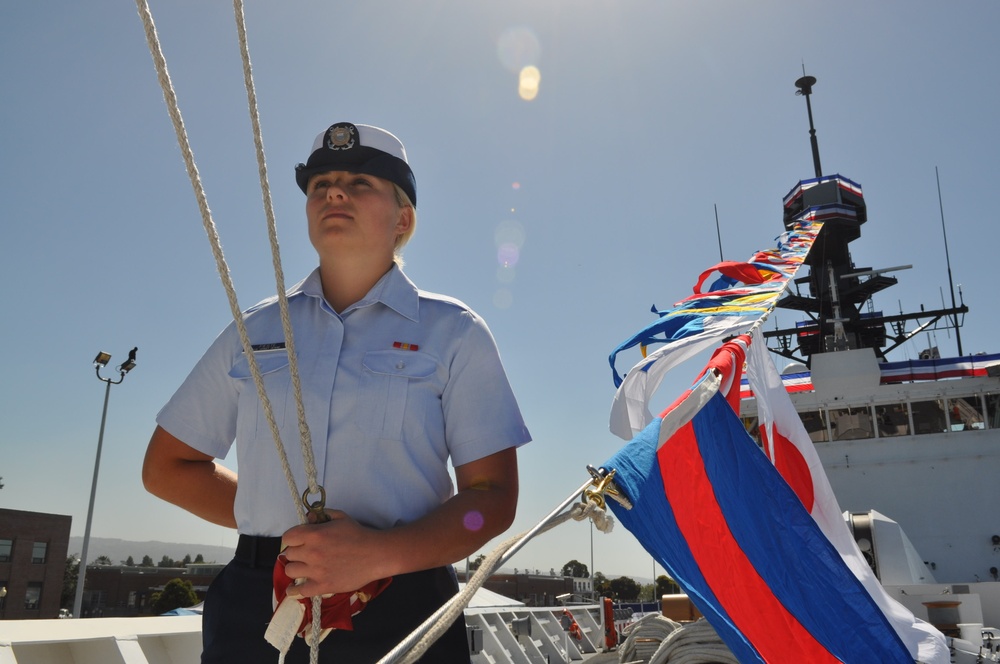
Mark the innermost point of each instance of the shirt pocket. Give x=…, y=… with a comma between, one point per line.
x=387, y=378
x=273, y=365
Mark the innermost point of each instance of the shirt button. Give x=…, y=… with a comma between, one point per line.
x=400, y=365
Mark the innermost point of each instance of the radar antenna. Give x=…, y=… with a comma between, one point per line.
x=804, y=85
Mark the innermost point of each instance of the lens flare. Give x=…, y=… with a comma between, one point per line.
x=509, y=238
x=509, y=231
x=528, y=83
x=506, y=274
x=503, y=299
x=508, y=255
x=473, y=521
x=518, y=47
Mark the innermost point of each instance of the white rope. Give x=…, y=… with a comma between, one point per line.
x=656, y=639
x=436, y=625
x=279, y=276
x=644, y=637
x=694, y=643
x=171, y=99
x=173, y=109
x=305, y=439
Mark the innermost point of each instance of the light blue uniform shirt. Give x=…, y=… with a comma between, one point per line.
x=392, y=387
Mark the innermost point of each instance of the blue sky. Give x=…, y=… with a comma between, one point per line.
x=648, y=114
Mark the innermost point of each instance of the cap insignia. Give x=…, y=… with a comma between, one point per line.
x=341, y=136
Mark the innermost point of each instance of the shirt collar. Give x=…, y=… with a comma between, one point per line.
x=394, y=290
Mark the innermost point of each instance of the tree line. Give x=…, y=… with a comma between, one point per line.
x=622, y=589
x=147, y=561
x=73, y=563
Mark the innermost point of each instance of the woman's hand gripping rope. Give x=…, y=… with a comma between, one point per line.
x=313, y=618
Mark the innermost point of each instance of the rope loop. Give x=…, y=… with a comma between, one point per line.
x=603, y=521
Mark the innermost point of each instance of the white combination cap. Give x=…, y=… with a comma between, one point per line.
x=359, y=149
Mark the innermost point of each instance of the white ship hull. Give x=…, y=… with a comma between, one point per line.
x=507, y=634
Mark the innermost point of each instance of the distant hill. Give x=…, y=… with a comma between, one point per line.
x=119, y=550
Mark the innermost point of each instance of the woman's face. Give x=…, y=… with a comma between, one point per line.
x=354, y=212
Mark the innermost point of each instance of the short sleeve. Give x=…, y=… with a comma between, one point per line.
x=481, y=413
x=202, y=412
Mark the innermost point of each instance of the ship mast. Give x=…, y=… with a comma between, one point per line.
x=838, y=291
x=804, y=85
x=947, y=257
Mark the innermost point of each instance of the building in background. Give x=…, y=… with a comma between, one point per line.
x=532, y=589
x=120, y=590
x=33, y=548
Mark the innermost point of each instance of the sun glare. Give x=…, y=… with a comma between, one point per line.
x=528, y=84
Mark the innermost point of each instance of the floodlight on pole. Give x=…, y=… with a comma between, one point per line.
x=100, y=362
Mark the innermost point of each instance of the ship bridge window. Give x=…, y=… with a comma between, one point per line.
x=815, y=424
x=928, y=416
x=851, y=423
x=965, y=414
x=893, y=420
x=993, y=410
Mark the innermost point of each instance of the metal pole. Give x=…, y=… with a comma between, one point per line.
x=404, y=646
x=654, y=581
x=541, y=525
x=804, y=85
x=947, y=258
x=812, y=139
x=718, y=232
x=593, y=590
x=81, y=572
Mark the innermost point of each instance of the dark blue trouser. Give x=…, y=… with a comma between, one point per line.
x=239, y=606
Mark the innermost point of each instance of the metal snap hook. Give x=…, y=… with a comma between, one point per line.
x=317, y=507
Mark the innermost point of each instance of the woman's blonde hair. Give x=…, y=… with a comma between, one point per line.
x=404, y=201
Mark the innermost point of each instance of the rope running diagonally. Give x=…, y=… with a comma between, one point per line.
x=173, y=109
x=416, y=644
x=286, y=324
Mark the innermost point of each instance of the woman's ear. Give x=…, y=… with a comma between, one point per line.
x=405, y=220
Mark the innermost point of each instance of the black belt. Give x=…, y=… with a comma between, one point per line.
x=258, y=551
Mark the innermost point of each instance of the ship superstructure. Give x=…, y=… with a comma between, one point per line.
x=917, y=441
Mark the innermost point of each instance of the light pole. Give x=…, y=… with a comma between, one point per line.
x=593, y=590
x=100, y=362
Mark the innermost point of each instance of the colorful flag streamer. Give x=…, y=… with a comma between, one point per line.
x=718, y=516
x=740, y=297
